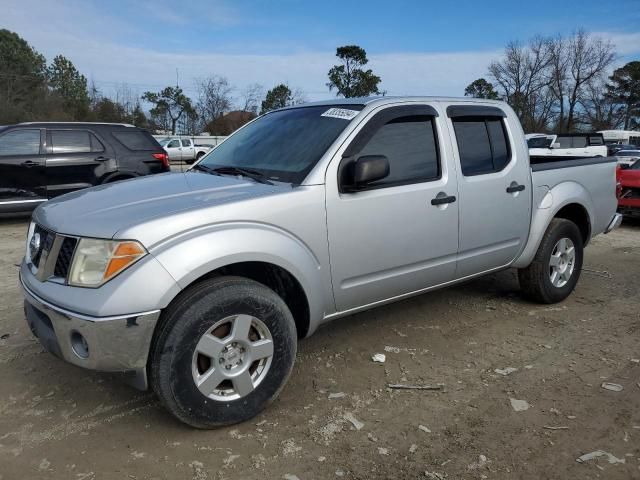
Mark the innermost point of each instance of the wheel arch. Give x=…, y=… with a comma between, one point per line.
x=568, y=200
x=262, y=253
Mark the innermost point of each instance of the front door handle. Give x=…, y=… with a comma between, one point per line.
x=442, y=199
x=29, y=164
x=514, y=187
x=101, y=159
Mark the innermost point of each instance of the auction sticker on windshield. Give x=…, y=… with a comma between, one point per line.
x=343, y=113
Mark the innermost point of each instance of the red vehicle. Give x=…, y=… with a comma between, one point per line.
x=629, y=190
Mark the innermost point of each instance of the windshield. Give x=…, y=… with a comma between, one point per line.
x=283, y=145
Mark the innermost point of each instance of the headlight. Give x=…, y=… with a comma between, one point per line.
x=98, y=261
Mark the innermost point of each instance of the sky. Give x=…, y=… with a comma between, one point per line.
x=416, y=47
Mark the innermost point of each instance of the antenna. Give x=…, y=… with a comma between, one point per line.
x=177, y=83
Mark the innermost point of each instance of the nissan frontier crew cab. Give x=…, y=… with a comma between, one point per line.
x=200, y=284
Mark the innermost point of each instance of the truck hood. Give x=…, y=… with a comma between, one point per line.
x=104, y=210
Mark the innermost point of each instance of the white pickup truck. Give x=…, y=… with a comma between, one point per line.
x=183, y=149
x=566, y=146
x=199, y=284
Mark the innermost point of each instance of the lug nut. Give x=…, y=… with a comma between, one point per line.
x=228, y=367
x=241, y=349
x=234, y=344
x=221, y=360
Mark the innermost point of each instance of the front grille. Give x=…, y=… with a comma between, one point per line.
x=63, y=262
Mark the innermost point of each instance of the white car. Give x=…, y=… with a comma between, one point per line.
x=183, y=149
x=627, y=157
x=578, y=145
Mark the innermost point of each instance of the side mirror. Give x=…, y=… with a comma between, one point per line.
x=555, y=145
x=356, y=174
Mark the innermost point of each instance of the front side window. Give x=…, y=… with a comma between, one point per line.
x=595, y=140
x=565, y=142
x=409, y=143
x=20, y=142
x=174, y=144
x=186, y=143
x=482, y=144
x=539, y=142
x=70, y=141
x=283, y=145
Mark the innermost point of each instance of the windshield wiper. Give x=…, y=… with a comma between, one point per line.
x=204, y=168
x=246, y=172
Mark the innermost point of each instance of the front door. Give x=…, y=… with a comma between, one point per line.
x=494, y=183
x=174, y=150
x=22, y=169
x=388, y=239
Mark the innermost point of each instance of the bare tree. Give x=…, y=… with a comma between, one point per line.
x=250, y=98
x=600, y=111
x=214, y=98
x=589, y=58
x=522, y=75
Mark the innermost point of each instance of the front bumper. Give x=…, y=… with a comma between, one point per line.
x=112, y=344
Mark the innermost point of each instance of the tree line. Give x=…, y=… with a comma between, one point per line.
x=559, y=84
x=564, y=84
x=32, y=90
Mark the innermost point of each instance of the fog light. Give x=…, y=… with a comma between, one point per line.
x=79, y=345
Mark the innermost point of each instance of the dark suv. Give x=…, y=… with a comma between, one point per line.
x=39, y=161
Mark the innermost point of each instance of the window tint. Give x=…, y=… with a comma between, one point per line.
x=579, y=142
x=482, y=144
x=498, y=138
x=20, y=142
x=70, y=141
x=137, y=140
x=565, y=142
x=96, y=145
x=409, y=144
x=174, y=144
x=186, y=142
x=539, y=142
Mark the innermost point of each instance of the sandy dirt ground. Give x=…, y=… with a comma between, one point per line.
x=336, y=418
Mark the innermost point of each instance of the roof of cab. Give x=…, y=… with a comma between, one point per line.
x=393, y=99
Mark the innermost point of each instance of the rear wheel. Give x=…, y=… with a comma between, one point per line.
x=223, y=351
x=555, y=269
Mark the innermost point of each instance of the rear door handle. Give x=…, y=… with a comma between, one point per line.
x=29, y=164
x=441, y=200
x=514, y=187
x=101, y=159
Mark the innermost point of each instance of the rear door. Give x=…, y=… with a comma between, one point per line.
x=22, y=162
x=389, y=239
x=494, y=184
x=76, y=159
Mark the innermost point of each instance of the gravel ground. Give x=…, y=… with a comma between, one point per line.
x=337, y=419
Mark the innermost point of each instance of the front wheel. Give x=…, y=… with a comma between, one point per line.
x=555, y=269
x=223, y=351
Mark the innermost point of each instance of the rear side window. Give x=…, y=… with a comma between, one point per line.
x=565, y=142
x=595, y=140
x=579, y=142
x=20, y=142
x=136, y=140
x=409, y=143
x=74, y=141
x=482, y=143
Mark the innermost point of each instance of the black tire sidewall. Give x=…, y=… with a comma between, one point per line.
x=189, y=323
x=565, y=229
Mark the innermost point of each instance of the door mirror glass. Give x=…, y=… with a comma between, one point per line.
x=364, y=170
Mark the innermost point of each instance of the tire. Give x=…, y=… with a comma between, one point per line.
x=537, y=281
x=188, y=325
x=199, y=155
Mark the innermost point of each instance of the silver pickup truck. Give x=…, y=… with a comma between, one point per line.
x=199, y=284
